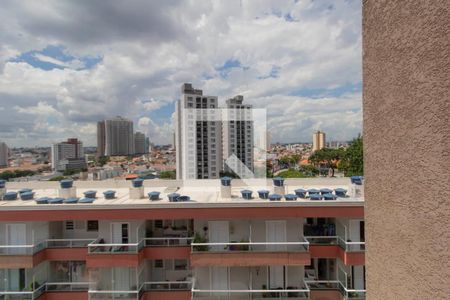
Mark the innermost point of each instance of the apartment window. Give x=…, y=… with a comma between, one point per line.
x=69, y=225
x=180, y=264
x=159, y=224
x=92, y=225
x=190, y=105
x=158, y=263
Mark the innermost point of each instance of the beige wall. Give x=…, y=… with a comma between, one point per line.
x=406, y=83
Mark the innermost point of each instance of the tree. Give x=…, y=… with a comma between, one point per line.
x=168, y=175
x=101, y=161
x=327, y=157
x=352, y=162
x=309, y=170
x=57, y=178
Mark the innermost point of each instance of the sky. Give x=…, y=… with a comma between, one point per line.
x=64, y=65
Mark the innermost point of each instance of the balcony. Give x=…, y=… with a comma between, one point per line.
x=351, y=253
x=337, y=240
x=67, y=286
x=122, y=295
x=256, y=294
x=167, y=247
x=23, y=295
x=166, y=286
x=246, y=254
x=101, y=255
x=336, y=286
x=28, y=256
x=99, y=247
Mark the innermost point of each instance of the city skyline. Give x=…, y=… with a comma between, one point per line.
x=75, y=76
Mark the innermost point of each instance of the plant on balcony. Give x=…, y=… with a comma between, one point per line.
x=243, y=247
x=200, y=239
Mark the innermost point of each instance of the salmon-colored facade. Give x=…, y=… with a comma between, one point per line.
x=135, y=249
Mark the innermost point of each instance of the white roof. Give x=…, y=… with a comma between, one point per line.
x=203, y=193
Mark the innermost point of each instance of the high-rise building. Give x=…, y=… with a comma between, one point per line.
x=198, y=135
x=140, y=143
x=318, y=140
x=68, y=155
x=101, y=139
x=115, y=137
x=4, y=154
x=148, y=147
x=238, y=137
x=292, y=248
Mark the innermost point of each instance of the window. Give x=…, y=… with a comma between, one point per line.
x=159, y=263
x=180, y=264
x=92, y=225
x=69, y=225
x=158, y=224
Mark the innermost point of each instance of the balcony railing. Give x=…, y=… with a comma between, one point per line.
x=67, y=286
x=68, y=243
x=97, y=247
x=39, y=246
x=299, y=294
x=166, y=286
x=122, y=295
x=167, y=242
x=23, y=295
x=337, y=240
x=336, y=285
x=251, y=247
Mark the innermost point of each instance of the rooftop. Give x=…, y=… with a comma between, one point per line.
x=202, y=193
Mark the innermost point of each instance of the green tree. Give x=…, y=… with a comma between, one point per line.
x=291, y=173
x=309, y=170
x=352, y=162
x=168, y=175
x=327, y=157
x=269, y=169
x=101, y=161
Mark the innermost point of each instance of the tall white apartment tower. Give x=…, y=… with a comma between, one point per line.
x=118, y=137
x=4, y=153
x=318, y=140
x=198, y=135
x=238, y=137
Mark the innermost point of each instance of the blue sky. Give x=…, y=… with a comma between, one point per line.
x=68, y=64
x=55, y=57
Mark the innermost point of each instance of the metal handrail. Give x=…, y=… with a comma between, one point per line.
x=197, y=247
x=347, y=246
x=169, y=284
x=338, y=282
x=69, y=284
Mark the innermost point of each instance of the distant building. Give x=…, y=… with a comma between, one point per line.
x=115, y=137
x=101, y=138
x=4, y=154
x=198, y=140
x=140, y=143
x=237, y=136
x=318, y=140
x=68, y=155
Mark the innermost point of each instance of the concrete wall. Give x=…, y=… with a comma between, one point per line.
x=406, y=82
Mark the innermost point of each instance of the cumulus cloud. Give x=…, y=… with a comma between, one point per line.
x=299, y=59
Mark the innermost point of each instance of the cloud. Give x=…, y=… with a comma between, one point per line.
x=299, y=59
